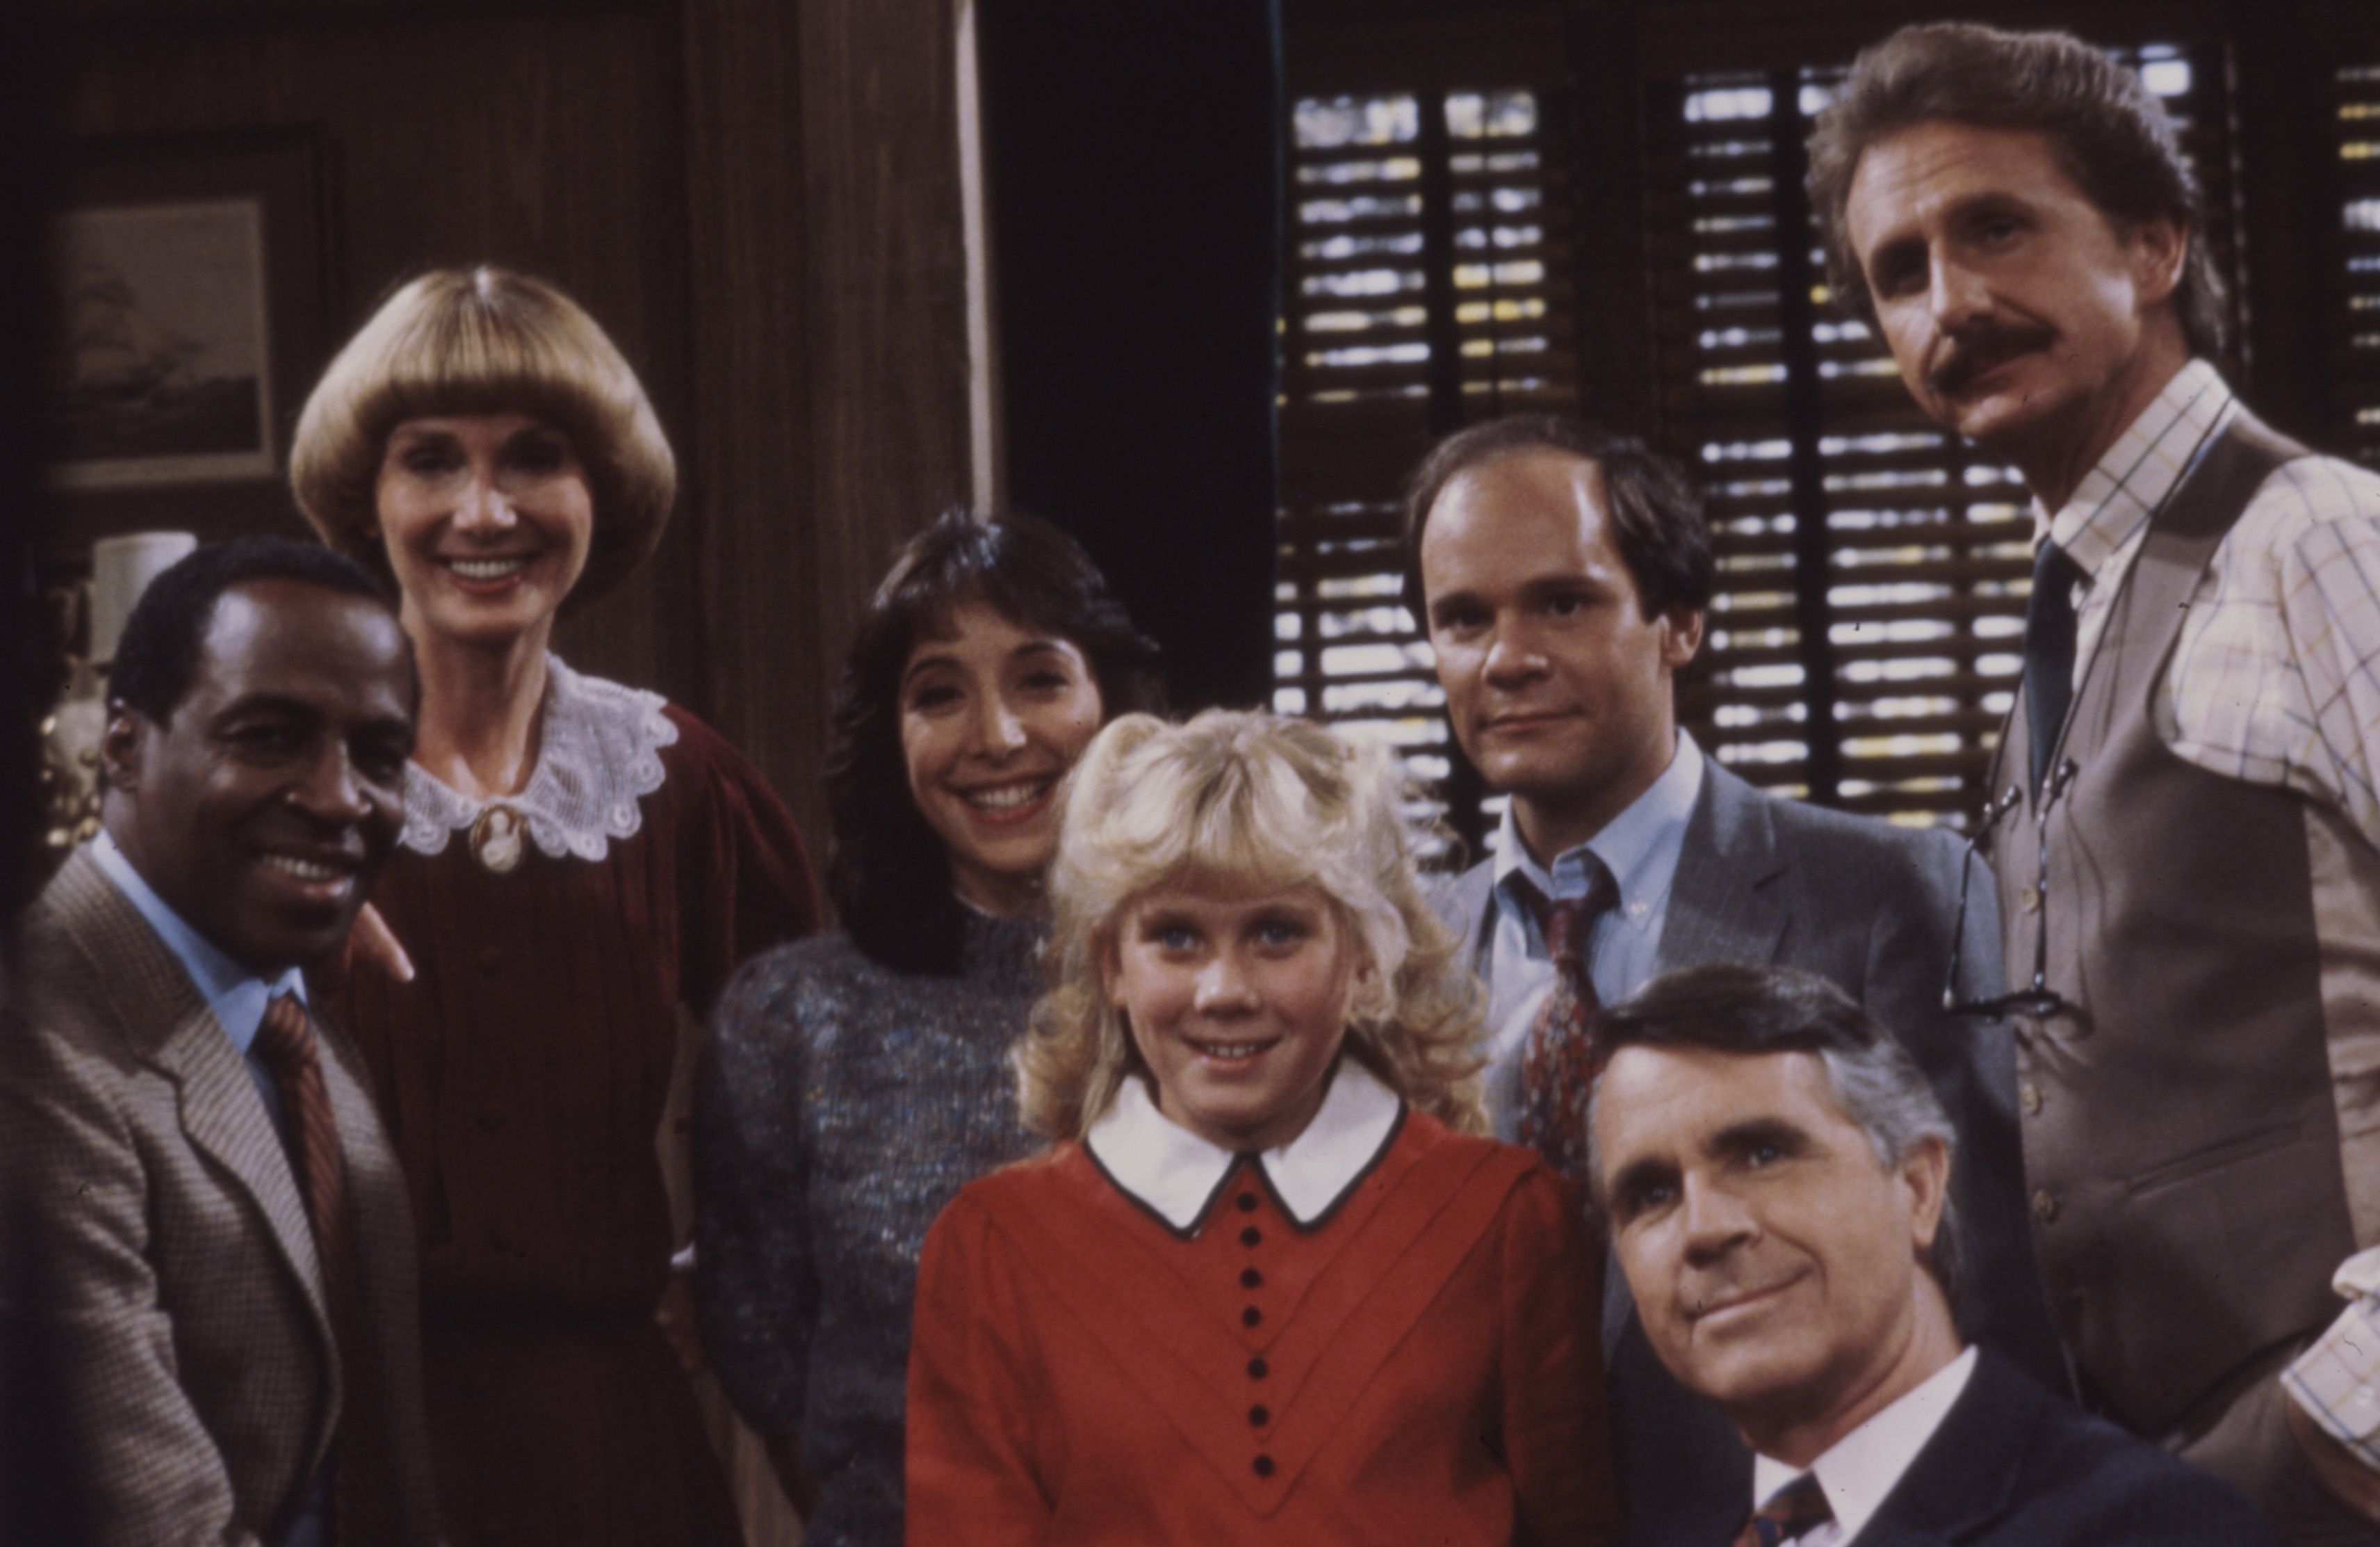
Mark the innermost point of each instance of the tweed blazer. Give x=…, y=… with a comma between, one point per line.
x=169, y=1352
x=1874, y=909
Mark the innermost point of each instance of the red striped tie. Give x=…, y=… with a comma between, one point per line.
x=1558, y=1064
x=365, y=1490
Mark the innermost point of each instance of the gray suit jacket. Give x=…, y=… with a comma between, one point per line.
x=163, y=1338
x=1871, y=907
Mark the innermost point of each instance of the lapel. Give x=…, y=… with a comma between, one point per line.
x=1468, y=905
x=1721, y=907
x=167, y=1025
x=1966, y=1476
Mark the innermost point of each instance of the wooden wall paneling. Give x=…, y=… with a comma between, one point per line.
x=1618, y=382
x=546, y=140
x=885, y=292
x=768, y=664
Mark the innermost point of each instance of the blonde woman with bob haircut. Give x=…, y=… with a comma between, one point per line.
x=1271, y=1286
x=582, y=867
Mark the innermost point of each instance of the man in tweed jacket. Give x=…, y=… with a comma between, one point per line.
x=166, y=1347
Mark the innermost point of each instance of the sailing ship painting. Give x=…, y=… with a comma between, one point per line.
x=159, y=366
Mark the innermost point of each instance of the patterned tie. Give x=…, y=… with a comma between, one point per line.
x=1557, y=1062
x=2048, y=651
x=365, y=1481
x=1793, y=1510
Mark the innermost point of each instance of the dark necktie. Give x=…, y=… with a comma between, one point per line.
x=2048, y=651
x=1793, y=1510
x=364, y=1491
x=1557, y=1064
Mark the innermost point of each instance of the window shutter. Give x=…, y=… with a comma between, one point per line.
x=1864, y=643
x=1426, y=287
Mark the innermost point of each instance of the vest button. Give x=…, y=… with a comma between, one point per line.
x=2045, y=1206
x=2029, y=1097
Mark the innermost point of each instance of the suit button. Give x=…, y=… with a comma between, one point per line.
x=1250, y=1317
x=1259, y=1415
x=1251, y=1236
x=1250, y=1278
x=1258, y=1369
x=1263, y=1466
x=2029, y=1097
x=2045, y=1206
x=2029, y=900
x=1248, y=1202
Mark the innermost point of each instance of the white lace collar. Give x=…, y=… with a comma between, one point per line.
x=598, y=754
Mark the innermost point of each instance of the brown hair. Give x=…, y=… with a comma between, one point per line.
x=485, y=341
x=1657, y=516
x=2109, y=132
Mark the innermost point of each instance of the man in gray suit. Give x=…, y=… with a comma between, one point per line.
x=1562, y=574
x=207, y=1283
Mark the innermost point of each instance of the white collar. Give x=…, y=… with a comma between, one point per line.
x=599, y=755
x=1866, y=1465
x=1177, y=1175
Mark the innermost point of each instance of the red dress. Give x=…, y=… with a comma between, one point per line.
x=523, y=1076
x=1420, y=1363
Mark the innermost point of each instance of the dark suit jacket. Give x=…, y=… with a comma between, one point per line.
x=168, y=1341
x=2014, y=1467
x=1871, y=907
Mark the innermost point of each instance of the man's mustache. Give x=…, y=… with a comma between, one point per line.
x=1980, y=350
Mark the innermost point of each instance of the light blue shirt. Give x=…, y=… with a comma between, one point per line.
x=237, y=996
x=238, y=999
x=1640, y=847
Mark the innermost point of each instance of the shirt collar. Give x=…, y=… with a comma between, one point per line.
x=1177, y=1175
x=2137, y=473
x=237, y=996
x=1639, y=847
x=1866, y=1465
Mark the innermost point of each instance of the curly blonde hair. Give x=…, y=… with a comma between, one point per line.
x=484, y=340
x=1238, y=802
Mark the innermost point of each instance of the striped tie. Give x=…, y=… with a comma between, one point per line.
x=1793, y=1511
x=1558, y=1066
x=365, y=1482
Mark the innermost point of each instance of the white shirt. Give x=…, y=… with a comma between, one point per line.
x=1640, y=847
x=1865, y=1466
x=1179, y=1175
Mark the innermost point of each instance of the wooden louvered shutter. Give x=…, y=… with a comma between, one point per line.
x=1426, y=286
x=1864, y=644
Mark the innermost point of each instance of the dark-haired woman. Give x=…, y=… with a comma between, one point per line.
x=582, y=866
x=857, y=1080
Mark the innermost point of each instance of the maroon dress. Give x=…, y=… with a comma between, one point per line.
x=523, y=1075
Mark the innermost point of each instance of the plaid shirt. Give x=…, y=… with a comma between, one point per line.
x=2275, y=679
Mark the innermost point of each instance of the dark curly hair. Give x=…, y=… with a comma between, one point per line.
x=888, y=871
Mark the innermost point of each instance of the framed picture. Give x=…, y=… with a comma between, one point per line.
x=187, y=281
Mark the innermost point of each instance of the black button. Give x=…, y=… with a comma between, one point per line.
x=1250, y=1317
x=1250, y=1278
x=1247, y=1202
x=1263, y=1466
x=1258, y=1369
x=1251, y=1236
x=1259, y=1415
